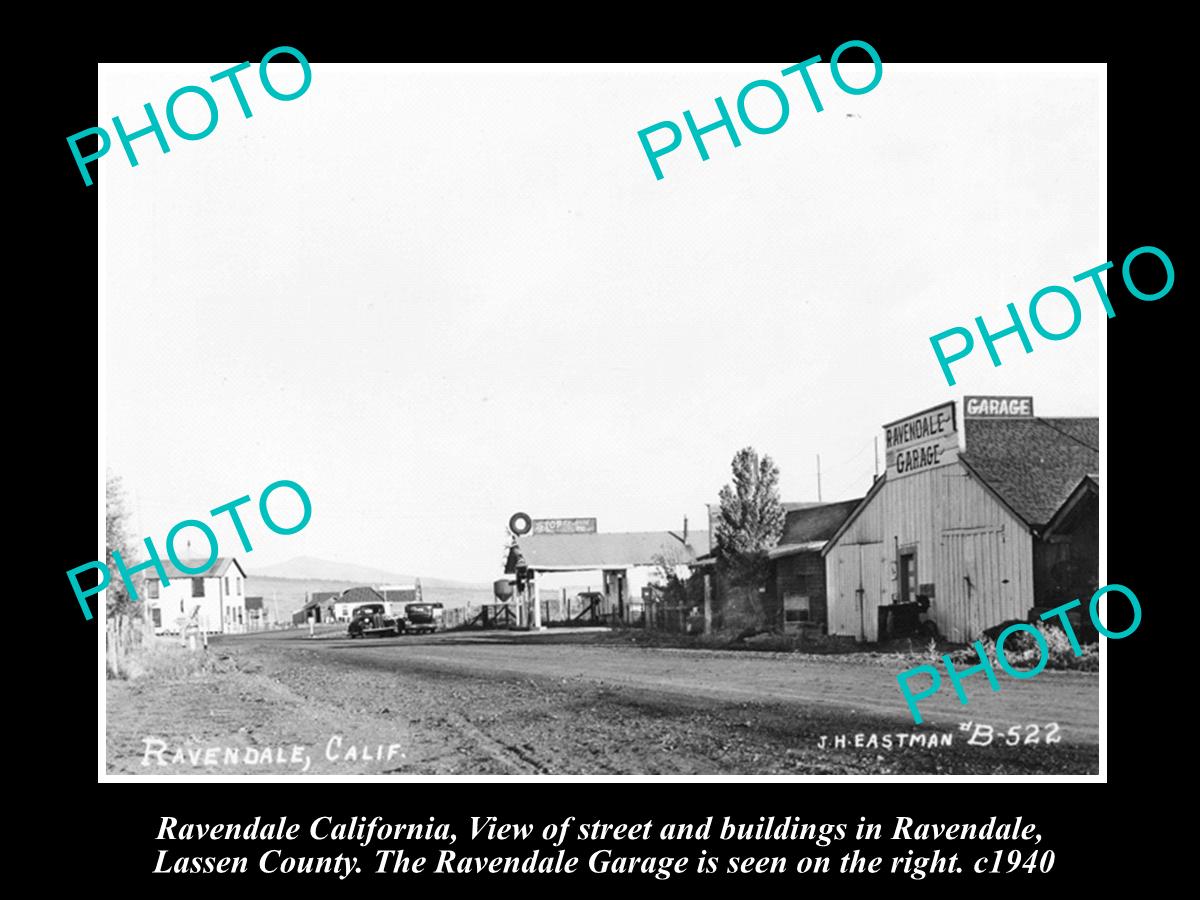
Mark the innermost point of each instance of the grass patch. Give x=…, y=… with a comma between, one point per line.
x=162, y=658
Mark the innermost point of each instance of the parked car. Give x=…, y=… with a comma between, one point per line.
x=422, y=617
x=372, y=618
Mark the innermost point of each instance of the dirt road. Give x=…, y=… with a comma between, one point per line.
x=583, y=703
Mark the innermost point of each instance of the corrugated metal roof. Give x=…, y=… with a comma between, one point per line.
x=607, y=551
x=792, y=549
x=1033, y=464
x=1089, y=485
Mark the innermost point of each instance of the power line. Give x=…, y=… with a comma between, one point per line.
x=827, y=469
x=865, y=474
x=1067, y=434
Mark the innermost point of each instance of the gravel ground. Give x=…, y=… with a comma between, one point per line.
x=573, y=703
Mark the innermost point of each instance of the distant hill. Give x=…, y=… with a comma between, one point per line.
x=286, y=586
x=308, y=568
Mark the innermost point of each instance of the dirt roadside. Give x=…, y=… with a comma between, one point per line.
x=463, y=706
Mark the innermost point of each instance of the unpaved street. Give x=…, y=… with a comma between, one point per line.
x=574, y=703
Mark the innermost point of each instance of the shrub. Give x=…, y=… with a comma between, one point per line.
x=1022, y=652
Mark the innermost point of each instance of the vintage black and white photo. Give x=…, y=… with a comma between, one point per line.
x=454, y=426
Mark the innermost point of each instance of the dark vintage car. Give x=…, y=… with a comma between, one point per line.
x=422, y=617
x=372, y=618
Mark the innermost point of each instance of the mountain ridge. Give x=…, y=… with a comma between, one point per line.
x=310, y=568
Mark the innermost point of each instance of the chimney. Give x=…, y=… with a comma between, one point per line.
x=685, y=529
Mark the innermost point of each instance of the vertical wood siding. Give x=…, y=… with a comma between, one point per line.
x=977, y=554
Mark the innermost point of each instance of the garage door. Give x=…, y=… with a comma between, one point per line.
x=977, y=592
x=857, y=571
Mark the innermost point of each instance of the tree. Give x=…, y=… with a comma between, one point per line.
x=117, y=537
x=676, y=593
x=751, y=518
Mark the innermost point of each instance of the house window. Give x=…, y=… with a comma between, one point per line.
x=197, y=587
x=239, y=615
x=152, y=589
x=156, y=617
x=238, y=582
x=227, y=584
x=797, y=609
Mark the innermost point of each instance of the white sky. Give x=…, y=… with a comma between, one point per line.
x=436, y=296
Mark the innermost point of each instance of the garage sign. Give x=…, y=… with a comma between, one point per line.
x=921, y=441
x=998, y=407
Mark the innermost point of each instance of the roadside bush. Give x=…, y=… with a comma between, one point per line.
x=1022, y=651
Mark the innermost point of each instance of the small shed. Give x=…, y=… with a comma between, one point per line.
x=796, y=583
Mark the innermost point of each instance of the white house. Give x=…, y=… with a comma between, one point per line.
x=217, y=597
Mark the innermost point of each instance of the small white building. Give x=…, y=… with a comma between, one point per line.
x=216, y=598
x=394, y=597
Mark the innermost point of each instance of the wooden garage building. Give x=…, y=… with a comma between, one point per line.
x=966, y=526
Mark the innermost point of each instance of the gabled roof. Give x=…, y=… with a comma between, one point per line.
x=216, y=570
x=579, y=552
x=808, y=526
x=854, y=513
x=1032, y=464
x=321, y=599
x=1061, y=520
x=816, y=522
x=360, y=595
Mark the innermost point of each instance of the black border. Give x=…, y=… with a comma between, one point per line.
x=1149, y=117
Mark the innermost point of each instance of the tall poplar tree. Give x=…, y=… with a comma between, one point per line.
x=751, y=518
